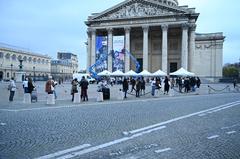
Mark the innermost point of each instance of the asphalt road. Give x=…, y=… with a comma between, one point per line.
x=187, y=127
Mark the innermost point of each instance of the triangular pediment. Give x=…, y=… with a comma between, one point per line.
x=137, y=9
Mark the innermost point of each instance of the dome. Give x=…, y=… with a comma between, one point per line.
x=168, y=2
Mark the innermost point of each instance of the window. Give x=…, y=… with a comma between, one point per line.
x=25, y=58
x=1, y=55
x=30, y=59
x=34, y=60
x=43, y=61
x=19, y=57
x=7, y=56
x=14, y=57
x=39, y=61
x=8, y=75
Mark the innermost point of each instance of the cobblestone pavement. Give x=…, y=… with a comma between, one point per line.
x=204, y=126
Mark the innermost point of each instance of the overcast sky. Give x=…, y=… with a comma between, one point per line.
x=49, y=26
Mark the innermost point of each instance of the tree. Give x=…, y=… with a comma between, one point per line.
x=231, y=71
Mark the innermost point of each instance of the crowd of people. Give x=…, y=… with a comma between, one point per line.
x=129, y=85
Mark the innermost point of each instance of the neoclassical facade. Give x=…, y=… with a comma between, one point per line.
x=33, y=64
x=160, y=34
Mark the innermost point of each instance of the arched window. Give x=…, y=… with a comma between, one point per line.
x=25, y=58
x=14, y=57
x=39, y=61
x=34, y=60
x=30, y=59
x=7, y=74
x=1, y=55
x=7, y=56
x=19, y=57
x=43, y=61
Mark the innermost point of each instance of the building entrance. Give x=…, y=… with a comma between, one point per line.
x=173, y=67
x=1, y=75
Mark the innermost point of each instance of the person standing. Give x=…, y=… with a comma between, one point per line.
x=234, y=83
x=143, y=86
x=49, y=86
x=198, y=82
x=25, y=85
x=138, y=87
x=12, y=88
x=125, y=87
x=84, y=86
x=30, y=85
x=74, y=88
x=153, y=85
x=166, y=85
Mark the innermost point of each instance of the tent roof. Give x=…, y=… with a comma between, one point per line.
x=182, y=72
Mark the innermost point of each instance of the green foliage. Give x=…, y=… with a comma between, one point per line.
x=231, y=71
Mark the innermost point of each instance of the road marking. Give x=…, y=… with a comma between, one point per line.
x=231, y=132
x=95, y=148
x=3, y=124
x=229, y=127
x=163, y=150
x=213, y=137
x=225, y=106
x=229, y=105
x=59, y=153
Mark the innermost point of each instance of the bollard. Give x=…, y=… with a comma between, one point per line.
x=77, y=98
x=50, y=99
x=120, y=95
x=100, y=97
x=197, y=91
x=171, y=93
x=27, y=98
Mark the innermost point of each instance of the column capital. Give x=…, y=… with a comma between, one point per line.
x=92, y=30
x=145, y=28
x=110, y=30
x=127, y=29
x=185, y=26
x=164, y=27
x=192, y=26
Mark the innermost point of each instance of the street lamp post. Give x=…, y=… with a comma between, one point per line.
x=34, y=74
x=11, y=69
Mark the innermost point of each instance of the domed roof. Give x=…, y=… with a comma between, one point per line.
x=168, y=2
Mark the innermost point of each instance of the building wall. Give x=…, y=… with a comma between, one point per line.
x=208, y=58
x=30, y=61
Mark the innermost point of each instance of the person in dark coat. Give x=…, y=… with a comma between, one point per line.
x=133, y=83
x=166, y=85
x=198, y=82
x=143, y=87
x=125, y=87
x=74, y=88
x=84, y=86
x=138, y=87
x=30, y=85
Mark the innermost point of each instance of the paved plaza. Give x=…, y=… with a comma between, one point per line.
x=188, y=126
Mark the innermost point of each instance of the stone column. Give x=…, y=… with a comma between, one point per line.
x=110, y=48
x=191, y=47
x=145, y=47
x=184, y=57
x=127, y=48
x=164, y=48
x=93, y=47
x=89, y=50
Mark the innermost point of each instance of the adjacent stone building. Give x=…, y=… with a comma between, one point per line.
x=160, y=34
x=65, y=66
x=33, y=63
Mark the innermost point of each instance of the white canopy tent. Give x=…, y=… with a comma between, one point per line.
x=104, y=73
x=131, y=73
x=117, y=73
x=145, y=73
x=159, y=73
x=182, y=72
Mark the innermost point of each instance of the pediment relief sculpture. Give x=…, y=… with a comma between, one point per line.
x=136, y=10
